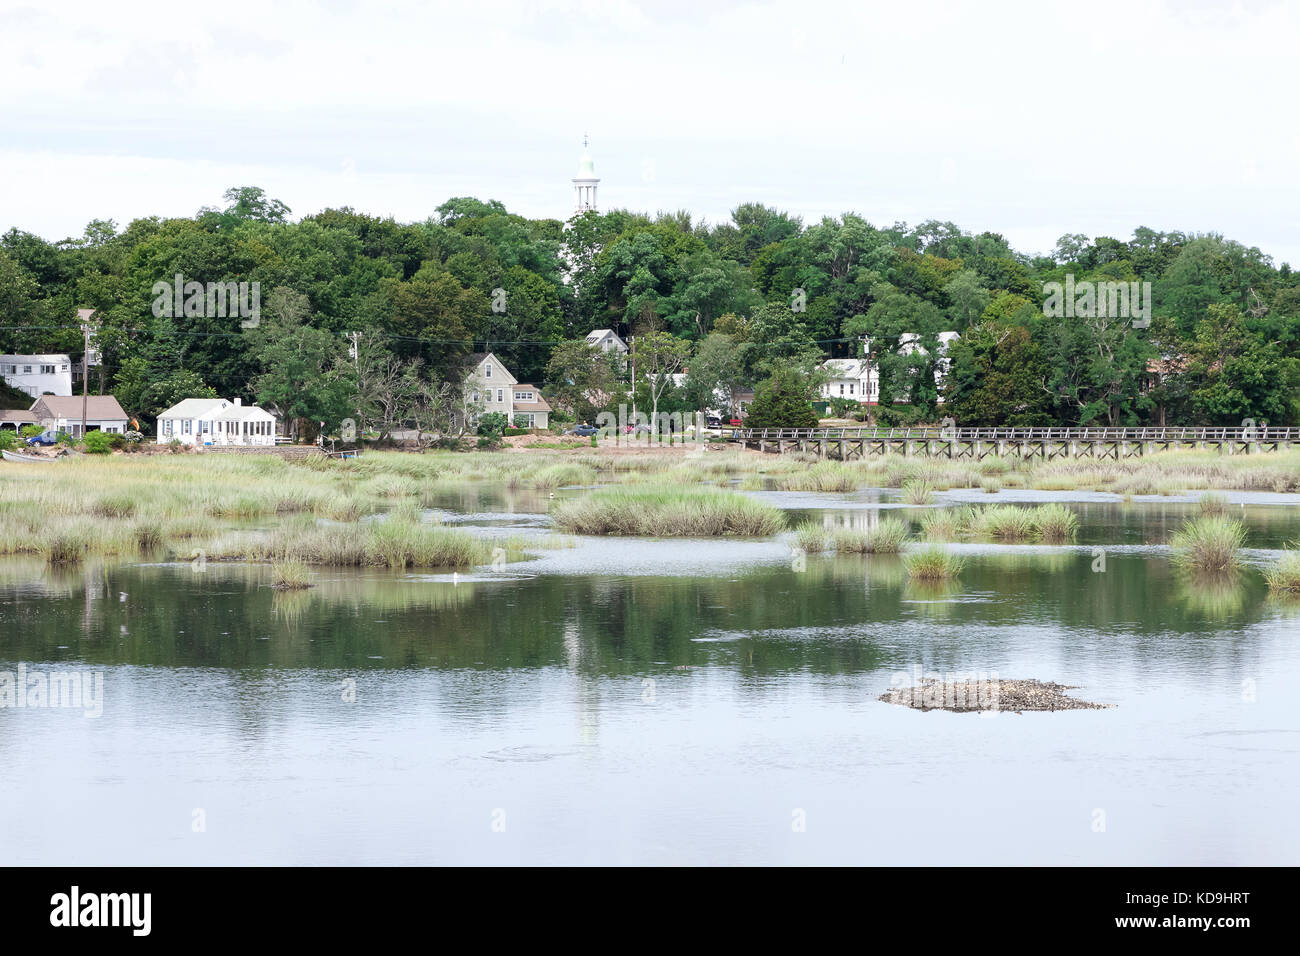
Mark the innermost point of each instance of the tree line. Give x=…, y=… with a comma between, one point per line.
x=365, y=315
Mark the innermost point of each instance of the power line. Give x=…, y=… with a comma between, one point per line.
x=392, y=336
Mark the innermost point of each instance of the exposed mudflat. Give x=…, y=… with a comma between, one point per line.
x=990, y=695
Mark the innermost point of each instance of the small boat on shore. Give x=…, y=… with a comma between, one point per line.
x=26, y=459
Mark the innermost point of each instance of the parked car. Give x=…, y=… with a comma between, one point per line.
x=44, y=438
x=713, y=421
x=583, y=430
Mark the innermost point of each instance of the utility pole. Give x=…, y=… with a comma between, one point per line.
x=631, y=345
x=85, y=374
x=356, y=358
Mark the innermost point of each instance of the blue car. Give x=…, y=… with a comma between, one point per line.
x=44, y=438
x=583, y=430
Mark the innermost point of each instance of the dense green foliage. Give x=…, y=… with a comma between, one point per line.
x=760, y=295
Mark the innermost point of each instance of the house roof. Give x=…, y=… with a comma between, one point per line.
x=98, y=407
x=538, y=406
x=37, y=358
x=846, y=368
x=477, y=359
x=218, y=409
x=17, y=415
x=242, y=413
x=595, y=335
x=193, y=407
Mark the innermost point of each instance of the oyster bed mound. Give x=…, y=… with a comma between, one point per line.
x=974, y=696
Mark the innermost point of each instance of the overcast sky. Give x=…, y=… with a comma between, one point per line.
x=1030, y=119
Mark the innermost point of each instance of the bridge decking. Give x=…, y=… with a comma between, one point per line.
x=977, y=443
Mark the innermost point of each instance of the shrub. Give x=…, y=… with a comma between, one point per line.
x=493, y=424
x=8, y=439
x=100, y=443
x=783, y=401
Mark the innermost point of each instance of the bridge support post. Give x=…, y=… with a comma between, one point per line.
x=821, y=448
x=1002, y=448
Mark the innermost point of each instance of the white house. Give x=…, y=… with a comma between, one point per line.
x=38, y=374
x=528, y=402
x=607, y=341
x=854, y=379
x=860, y=378
x=215, y=421
x=62, y=413
x=489, y=387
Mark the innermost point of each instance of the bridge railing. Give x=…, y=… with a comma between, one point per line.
x=1155, y=434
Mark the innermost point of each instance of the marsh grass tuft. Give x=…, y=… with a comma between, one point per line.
x=917, y=491
x=668, y=511
x=1210, y=544
x=885, y=537
x=1284, y=576
x=811, y=537
x=290, y=576
x=932, y=563
x=1212, y=503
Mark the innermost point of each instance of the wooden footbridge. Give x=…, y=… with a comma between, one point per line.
x=1048, y=443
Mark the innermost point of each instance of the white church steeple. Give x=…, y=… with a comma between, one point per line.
x=584, y=184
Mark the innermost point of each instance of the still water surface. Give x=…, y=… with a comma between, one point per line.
x=627, y=701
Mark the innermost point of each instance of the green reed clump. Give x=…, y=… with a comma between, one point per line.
x=1055, y=522
x=932, y=563
x=290, y=576
x=885, y=537
x=1284, y=576
x=823, y=476
x=1212, y=503
x=668, y=511
x=1209, y=544
x=811, y=537
x=917, y=491
x=946, y=524
x=1008, y=522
